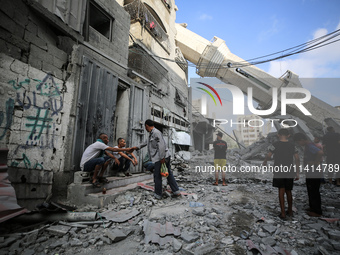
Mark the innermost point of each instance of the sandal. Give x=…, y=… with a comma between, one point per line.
x=96, y=184
x=215, y=183
x=103, y=180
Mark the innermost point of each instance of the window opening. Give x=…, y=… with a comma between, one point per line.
x=100, y=21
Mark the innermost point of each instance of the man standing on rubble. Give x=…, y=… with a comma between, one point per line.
x=311, y=163
x=159, y=154
x=220, y=158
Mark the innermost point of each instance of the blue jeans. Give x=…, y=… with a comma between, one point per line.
x=124, y=164
x=158, y=178
x=149, y=166
x=92, y=163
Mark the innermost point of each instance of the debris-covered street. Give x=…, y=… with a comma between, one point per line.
x=240, y=218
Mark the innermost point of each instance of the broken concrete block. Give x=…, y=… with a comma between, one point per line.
x=189, y=237
x=8, y=241
x=106, y=240
x=227, y=241
x=269, y=228
x=120, y=216
x=76, y=242
x=205, y=249
x=59, y=230
x=199, y=211
x=177, y=245
x=115, y=235
x=269, y=241
x=334, y=235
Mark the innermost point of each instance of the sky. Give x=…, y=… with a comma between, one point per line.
x=255, y=28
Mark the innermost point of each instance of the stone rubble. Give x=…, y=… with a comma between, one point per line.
x=226, y=218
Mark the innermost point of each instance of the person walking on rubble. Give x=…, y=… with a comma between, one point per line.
x=159, y=154
x=284, y=155
x=93, y=159
x=311, y=163
x=220, y=158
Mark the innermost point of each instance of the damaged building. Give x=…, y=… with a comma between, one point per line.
x=71, y=70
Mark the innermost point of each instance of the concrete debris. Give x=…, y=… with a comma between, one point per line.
x=120, y=216
x=177, y=245
x=240, y=218
x=59, y=230
x=115, y=235
x=159, y=233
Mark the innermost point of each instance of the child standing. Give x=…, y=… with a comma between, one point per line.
x=284, y=154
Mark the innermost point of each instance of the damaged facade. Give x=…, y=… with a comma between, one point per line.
x=71, y=70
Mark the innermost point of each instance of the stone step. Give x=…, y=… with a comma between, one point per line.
x=85, y=193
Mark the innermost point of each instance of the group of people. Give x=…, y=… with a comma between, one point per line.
x=98, y=156
x=285, y=153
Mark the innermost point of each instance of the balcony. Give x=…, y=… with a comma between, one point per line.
x=140, y=12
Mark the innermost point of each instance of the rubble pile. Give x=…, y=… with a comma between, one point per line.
x=241, y=218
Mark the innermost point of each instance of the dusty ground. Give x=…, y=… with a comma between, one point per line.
x=231, y=215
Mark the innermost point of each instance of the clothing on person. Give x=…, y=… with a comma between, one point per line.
x=91, y=164
x=124, y=164
x=332, y=146
x=148, y=164
x=332, y=150
x=92, y=151
x=283, y=155
x=220, y=164
x=313, y=180
x=286, y=183
x=310, y=153
x=157, y=150
x=220, y=149
x=116, y=153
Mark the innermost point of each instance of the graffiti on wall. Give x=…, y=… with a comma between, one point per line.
x=44, y=100
x=26, y=163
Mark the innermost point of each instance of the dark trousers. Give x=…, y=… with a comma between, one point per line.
x=158, y=177
x=124, y=164
x=313, y=189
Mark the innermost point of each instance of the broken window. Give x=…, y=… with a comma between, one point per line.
x=100, y=20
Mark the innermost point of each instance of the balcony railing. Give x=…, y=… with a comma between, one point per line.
x=139, y=12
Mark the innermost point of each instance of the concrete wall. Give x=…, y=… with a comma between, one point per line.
x=40, y=67
x=117, y=47
x=174, y=77
x=36, y=99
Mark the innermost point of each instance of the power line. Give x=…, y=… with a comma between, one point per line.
x=317, y=43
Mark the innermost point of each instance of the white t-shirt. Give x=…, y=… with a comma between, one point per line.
x=92, y=151
x=116, y=154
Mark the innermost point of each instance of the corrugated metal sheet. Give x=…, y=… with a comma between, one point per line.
x=71, y=12
x=96, y=106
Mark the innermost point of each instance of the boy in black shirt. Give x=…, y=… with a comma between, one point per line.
x=220, y=158
x=284, y=152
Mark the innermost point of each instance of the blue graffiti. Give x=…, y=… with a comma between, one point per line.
x=27, y=163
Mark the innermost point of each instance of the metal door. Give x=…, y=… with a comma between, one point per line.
x=96, y=106
x=138, y=117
